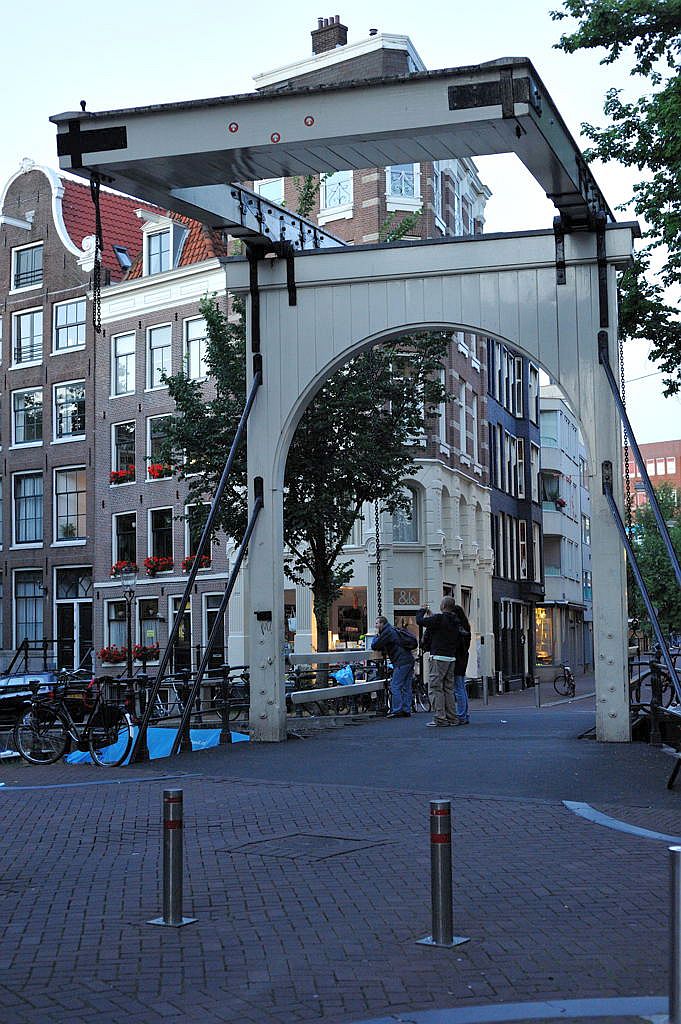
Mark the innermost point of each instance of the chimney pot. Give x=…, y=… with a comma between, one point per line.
x=373, y=31
x=326, y=22
x=320, y=22
x=329, y=34
x=336, y=19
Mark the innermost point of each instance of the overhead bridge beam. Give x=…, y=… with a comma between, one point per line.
x=160, y=152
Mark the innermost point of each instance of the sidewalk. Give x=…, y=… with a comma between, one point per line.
x=307, y=868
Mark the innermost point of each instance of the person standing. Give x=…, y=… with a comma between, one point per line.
x=460, y=666
x=446, y=633
x=387, y=640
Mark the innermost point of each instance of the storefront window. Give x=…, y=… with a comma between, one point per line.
x=544, y=635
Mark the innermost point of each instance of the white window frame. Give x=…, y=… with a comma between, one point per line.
x=260, y=187
x=475, y=428
x=522, y=549
x=114, y=534
x=61, y=541
x=147, y=453
x=15, y=320
x=150, y=544
x=150, y=386
x=202, y=342
x=534, y=471
x=114, y=450
x=159, y=232
x=15, y=252
x=396, y=201
x=533, y=393
x=56, y=350
x=114, y=357
x=26, y=444
x=15, y=602
x=518, y=397
x=26, y=544
x=55, y=418
x=463, y=436
x=336, y=211
x=520, y=461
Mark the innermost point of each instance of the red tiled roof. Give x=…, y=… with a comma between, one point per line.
x=121, y=226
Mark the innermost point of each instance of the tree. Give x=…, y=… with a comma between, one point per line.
x=643, y=134
x=654, y=563
x=354, y=444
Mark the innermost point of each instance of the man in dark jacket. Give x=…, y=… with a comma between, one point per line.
x=388, y=641
x=445, y=629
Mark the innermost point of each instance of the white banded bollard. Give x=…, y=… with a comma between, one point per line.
x=441, y=878
x=172, y=861
x=675, y=936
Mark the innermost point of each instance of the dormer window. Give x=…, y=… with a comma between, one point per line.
x=123, y=256
x=27, y=266
x=163, y=240
x=158, y=252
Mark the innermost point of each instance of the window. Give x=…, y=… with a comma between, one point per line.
x=123, y=453
x=69, y=410
x=28, y=604
x=534, y=471
x=271, y=189
x=195, y=348
x=148, y=616
x=69, y=325
x=536, y=552
x=28, y=267
x=158, y=348
x=157, y=427
x=518, y=397
x=463, y=446
x=158, y=252
x=520, y=455
x=474, y=428
x=27, y=415
x=522, y=548
x=123, y=365
x=550, y=488
x=650, y=466
x=437, y=192
x=336, y=190
x=125, y=537
x=69, y=496
x=211, y=613
x=671, y=466
x=586, y=530
x=2, y=522
x=195, y=518
x=549, y=428
x=28, y=336
x=405, y=521
x=116, y=624
x=401, y=180
x=28, y=508
x=533, y=393
x=660, y=465
x=161, y=533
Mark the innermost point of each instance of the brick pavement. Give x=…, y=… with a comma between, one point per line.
x=310, y=893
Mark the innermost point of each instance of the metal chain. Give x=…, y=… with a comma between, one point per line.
x=95, y=184
x=379, y=596
x=627, y=496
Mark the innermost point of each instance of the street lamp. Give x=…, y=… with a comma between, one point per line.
x=129, y=580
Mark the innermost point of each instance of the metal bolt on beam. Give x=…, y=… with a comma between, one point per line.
x=172, y=861
x=441, y=879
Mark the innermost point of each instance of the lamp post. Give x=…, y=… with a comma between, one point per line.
x=129, y=580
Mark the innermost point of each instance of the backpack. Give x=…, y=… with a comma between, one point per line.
x=407, y=639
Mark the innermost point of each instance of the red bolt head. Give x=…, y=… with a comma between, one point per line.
x=309, y=121
x=233, y=127
x=275, y=137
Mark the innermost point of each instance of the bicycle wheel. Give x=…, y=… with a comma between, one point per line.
x=423, y=699
x=41, y=736
x=110, y=737
x=561, y=685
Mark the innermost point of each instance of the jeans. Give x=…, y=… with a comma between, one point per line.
x=400, y=688
x=441, y=688
x=461, y=697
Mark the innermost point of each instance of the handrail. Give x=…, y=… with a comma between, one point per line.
x=204, y=541
x=216, y=628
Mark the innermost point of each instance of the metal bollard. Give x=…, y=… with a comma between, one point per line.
x=441, y=878
x=172, y=861
x=485, y=690
x=537, y=695
x=675, y=937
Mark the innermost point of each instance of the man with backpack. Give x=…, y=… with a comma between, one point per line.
x=398, y=645
x=450, y=637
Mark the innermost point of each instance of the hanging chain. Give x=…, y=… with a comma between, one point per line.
x=377, y=520
x=627, y=495
x=95, y=184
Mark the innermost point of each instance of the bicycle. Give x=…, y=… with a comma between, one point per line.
x=564, y=682
x=44, y=734
x=420, y=698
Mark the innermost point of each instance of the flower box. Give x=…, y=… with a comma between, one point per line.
x=561, y=502
x=150, y=652
x=124, y=568
x=154, y=564
x=113, y=655
x=157, y=470
x=187, y=563
x=122, y=476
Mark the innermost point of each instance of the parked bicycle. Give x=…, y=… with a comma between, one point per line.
x=45, y=732
x=420, y=698
x=564, y=682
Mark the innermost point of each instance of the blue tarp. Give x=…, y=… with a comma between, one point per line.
x=160, y=741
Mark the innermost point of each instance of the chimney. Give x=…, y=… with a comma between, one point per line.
x=329, y=34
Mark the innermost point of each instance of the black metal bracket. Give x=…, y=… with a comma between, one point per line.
x=286, y=251
x=601, y=221
x=559, y=234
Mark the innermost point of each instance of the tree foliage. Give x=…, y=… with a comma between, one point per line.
x=654, y=563
x=354, y=444
x=645, y=135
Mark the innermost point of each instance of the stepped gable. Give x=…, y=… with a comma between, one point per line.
x=120, y=224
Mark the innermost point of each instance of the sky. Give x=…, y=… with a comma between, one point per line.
x=159, y=51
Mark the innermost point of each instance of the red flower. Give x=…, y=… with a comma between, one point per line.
x=150, y=652
x=113, y=654
x=156, y=563
x=122, y=476
x=123, y=567
x=187, y=563
x=157, y=470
